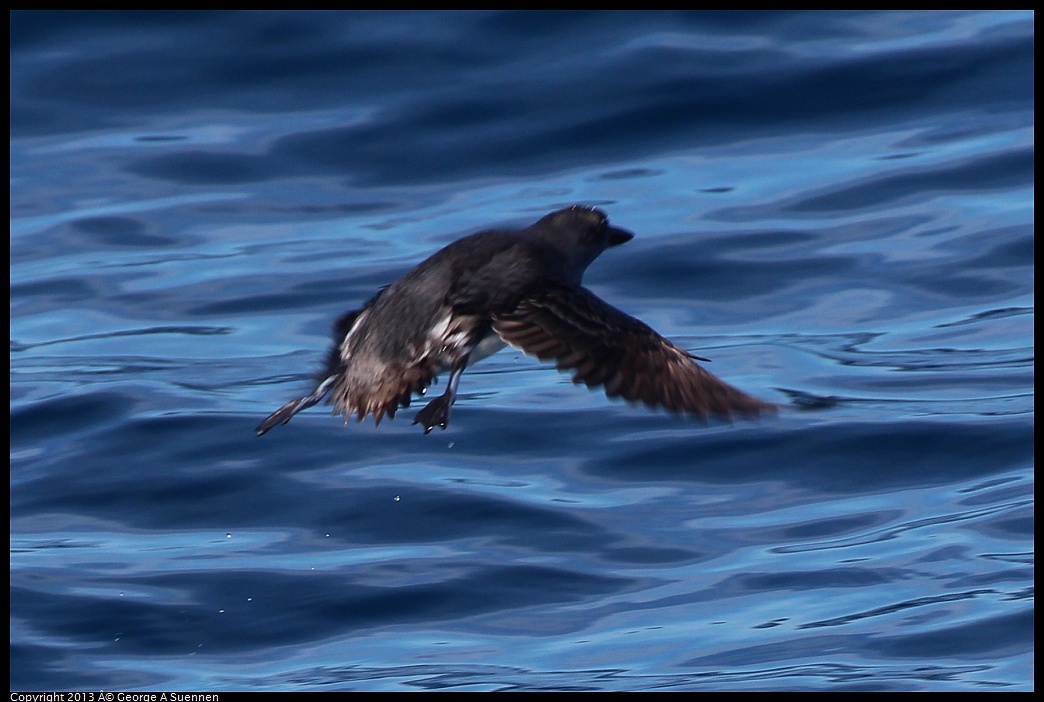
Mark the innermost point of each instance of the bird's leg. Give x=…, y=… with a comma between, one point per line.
x=437, y=411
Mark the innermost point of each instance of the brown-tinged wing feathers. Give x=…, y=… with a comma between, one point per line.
x=380, y=392
x=604, y=346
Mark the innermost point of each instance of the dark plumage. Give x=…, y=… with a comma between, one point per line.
x=522, y=288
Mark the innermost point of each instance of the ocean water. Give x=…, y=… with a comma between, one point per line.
x=836, y=208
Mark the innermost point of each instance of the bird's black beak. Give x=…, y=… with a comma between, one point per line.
x=617, y=236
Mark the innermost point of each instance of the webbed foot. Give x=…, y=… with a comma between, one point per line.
x=435, y=414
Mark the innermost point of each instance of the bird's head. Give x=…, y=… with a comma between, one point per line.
x=581, y=234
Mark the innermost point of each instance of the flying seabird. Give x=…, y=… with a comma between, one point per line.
x=508, y=287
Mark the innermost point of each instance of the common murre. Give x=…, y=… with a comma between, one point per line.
x=517, y=287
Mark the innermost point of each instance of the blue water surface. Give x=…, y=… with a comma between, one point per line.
x=836, y=208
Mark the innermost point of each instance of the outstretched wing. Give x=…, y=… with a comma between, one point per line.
x=285, y=413
x=607, y=347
